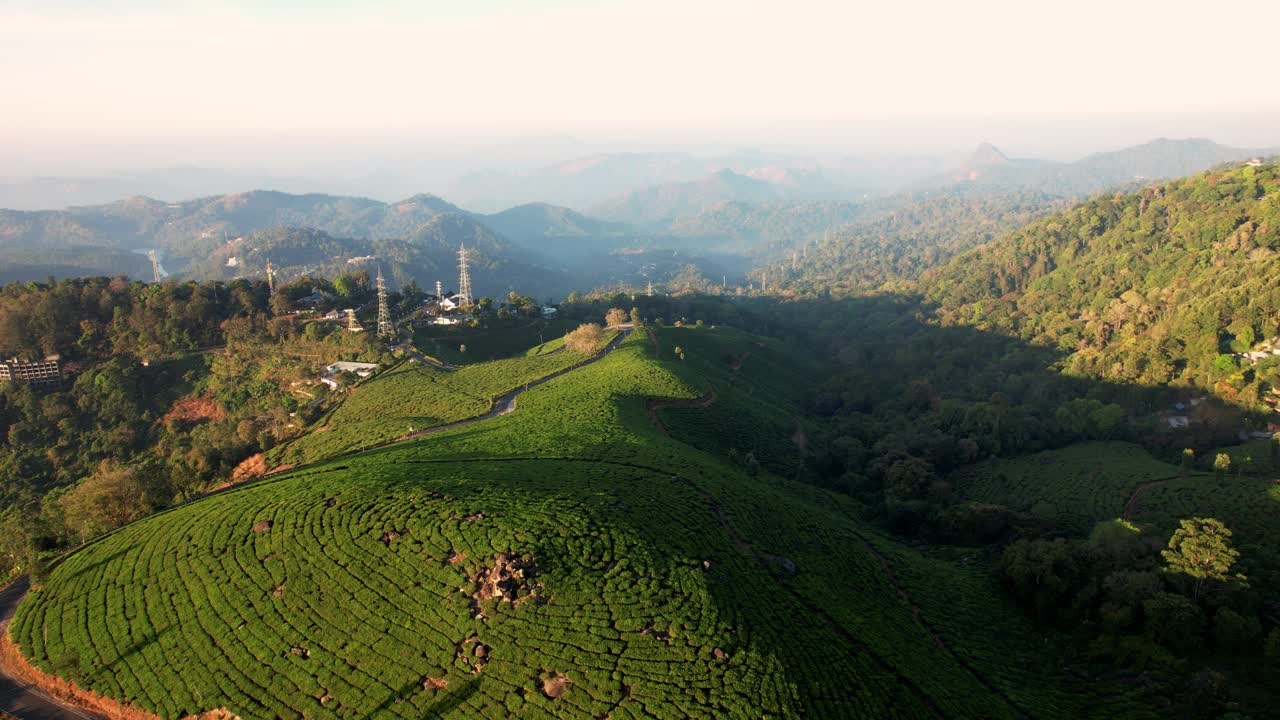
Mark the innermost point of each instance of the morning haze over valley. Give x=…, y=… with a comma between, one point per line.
x=602, y=359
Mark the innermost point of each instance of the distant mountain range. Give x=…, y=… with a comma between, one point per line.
x=988, y=168
x=661, y=204
x=719, y=221
x=537, y=248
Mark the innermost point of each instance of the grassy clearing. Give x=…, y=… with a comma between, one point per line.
x=665, y=583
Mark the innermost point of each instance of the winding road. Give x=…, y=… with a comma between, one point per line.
x=16, y=697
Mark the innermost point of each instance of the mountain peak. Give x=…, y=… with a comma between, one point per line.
x=987, y=154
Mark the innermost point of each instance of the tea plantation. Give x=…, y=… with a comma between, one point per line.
x=1074, y=487
x=571, y=559
x=413, y=397
x=1081, y=485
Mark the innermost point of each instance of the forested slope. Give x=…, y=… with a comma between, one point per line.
x=1161, y=286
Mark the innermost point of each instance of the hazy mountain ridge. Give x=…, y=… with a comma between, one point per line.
x=989, y=168
x=660, y=204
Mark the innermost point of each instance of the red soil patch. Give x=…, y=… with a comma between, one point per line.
x=195, y=409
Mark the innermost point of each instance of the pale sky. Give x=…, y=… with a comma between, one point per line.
x=78, y=70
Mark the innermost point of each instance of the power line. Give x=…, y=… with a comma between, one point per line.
x=155, y=265
x=464, y=277
x=385, y=328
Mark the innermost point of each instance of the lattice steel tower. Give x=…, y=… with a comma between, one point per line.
x=271, y=278
x=155, y=265
x=464, y=277
x=385, y=328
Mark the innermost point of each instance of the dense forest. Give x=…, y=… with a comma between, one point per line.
x=898, y=239
x=167, y=388
x=1168, y=286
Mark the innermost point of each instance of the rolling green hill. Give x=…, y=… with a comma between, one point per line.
x=570, y=559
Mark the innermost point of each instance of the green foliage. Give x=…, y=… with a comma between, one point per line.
x=1090, y=419
x=1235, y=633
x=1173, y=620
x=1222, y=463
x=1201, y=550
x=1149, y=287
x=1041, y=573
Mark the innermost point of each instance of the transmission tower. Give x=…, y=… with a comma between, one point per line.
x=155, y=265
x=439, y=292
x=650, y=290
x=352, y=323
x=385, y=328
x=271, y=278
x=464, y=277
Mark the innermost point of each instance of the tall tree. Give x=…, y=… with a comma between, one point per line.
x=1201, y=550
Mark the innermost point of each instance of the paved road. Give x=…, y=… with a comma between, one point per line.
x=16, y=697
x=506, y=402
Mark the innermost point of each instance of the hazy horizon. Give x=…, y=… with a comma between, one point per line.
x=389, y=98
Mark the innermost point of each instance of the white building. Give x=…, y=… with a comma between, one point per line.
x=361, y=369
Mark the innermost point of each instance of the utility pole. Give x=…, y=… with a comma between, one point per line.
x=155, y=265
x=464, y=277
x=385, y=328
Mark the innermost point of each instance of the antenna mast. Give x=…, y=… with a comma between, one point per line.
x=385, y=328
x=464, y=277
x=155, y=265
